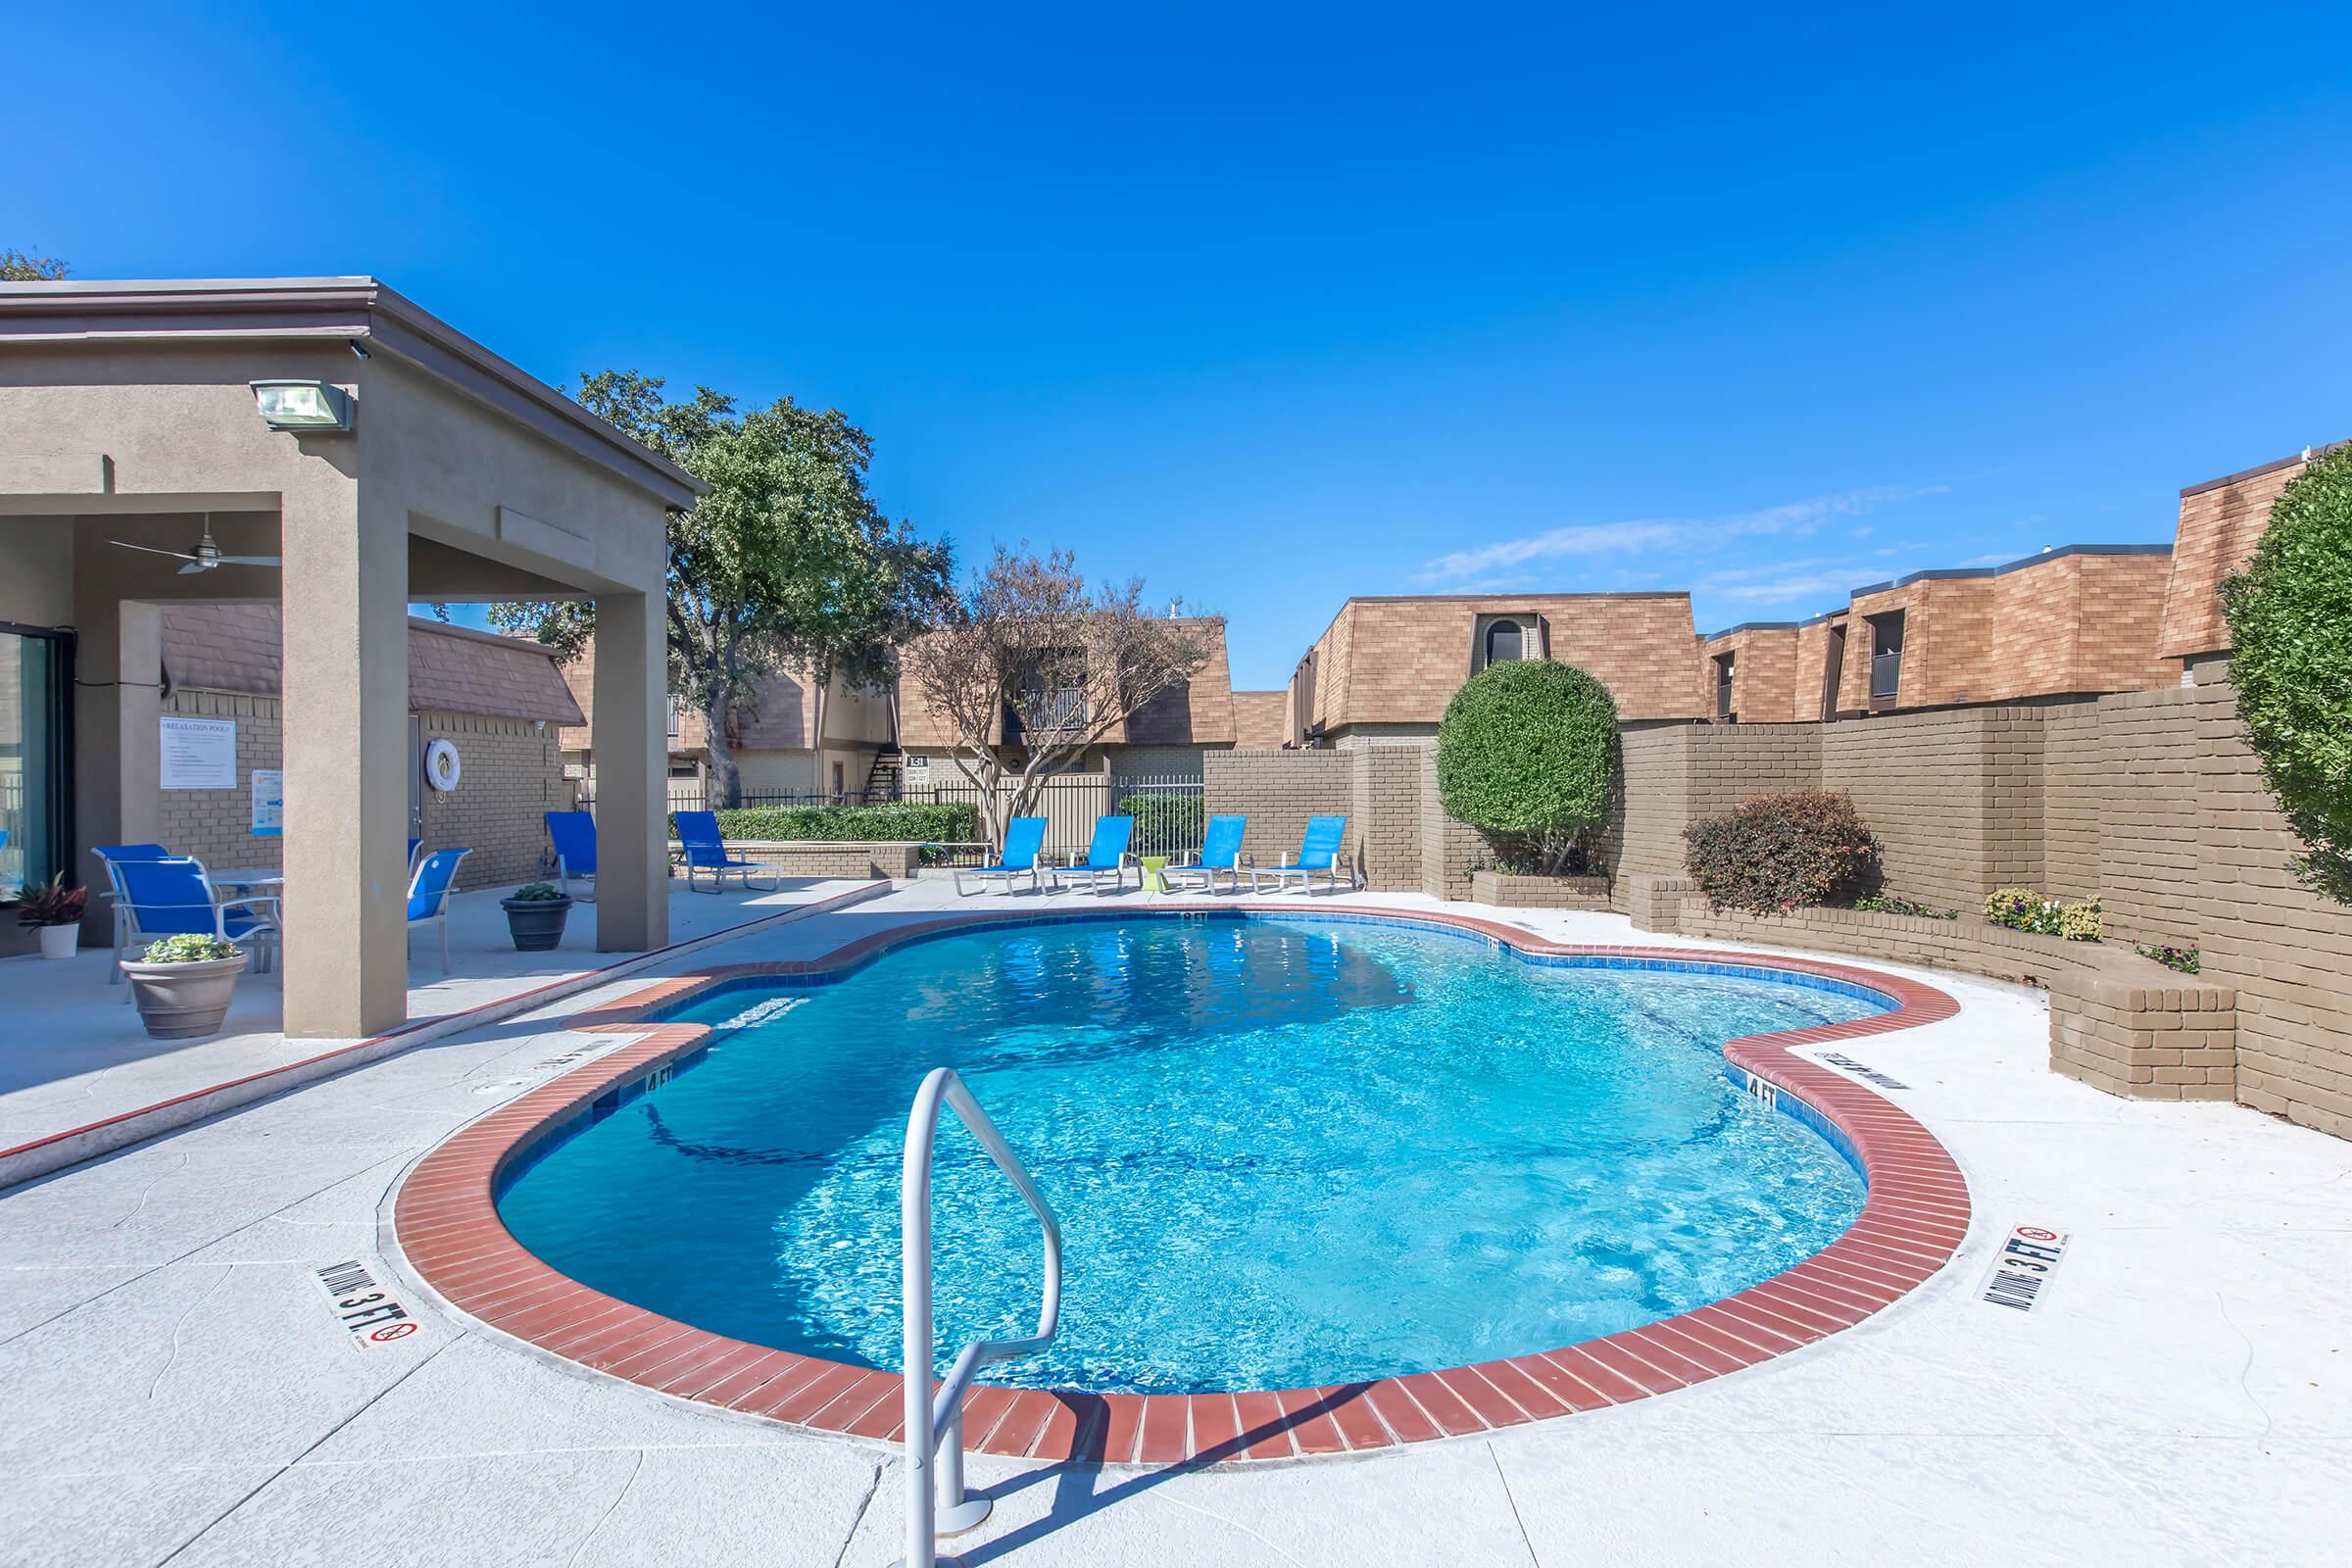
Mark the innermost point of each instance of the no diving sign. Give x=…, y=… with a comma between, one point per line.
x=2020, y=1277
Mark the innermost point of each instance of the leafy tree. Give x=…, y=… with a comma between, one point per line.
x=1528, y=754
x=786, y=564
x=2290, y=624
x=1031, y=667
x=22, y=267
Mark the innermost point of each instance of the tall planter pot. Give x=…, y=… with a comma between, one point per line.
x=60, y=941
x=535, y=924
x=184, y=1000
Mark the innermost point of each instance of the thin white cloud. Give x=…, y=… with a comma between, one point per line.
x=1658, y=533
x=1804, y=586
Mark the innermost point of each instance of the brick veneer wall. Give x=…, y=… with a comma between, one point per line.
x=216, y=825
x=1385, y=813
x=510, y=774
x=1448, y=847
x=1507, y=892
x=828, y=857
x=1954, y=795
x=1278, y=790
x=2073, y=784
x=2151, y=820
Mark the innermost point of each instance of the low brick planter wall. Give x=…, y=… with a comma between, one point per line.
x=829, y=858
x=2118, y=1021
x=1507, y=892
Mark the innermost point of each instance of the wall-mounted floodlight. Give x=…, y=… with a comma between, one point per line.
x=301, y=404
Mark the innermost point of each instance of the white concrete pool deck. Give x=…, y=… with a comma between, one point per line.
x=173, y=1388
x=75, y=1052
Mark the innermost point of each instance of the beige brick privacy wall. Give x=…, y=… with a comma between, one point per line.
x=1278, y=790
x=510, y=775
x=2074, y=781
x=1449, y=848
x=216, y=825
x=1656, y=801
x=2151, y=824
x=1954, y=794
x=2285, y=951
x=1385, y=813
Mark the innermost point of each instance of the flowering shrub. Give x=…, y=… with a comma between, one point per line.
x=1779, y=853
x=1887, y=903
x=2185, y=959
x=2024, y=910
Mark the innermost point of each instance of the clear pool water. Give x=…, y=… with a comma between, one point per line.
x=1283, y=1152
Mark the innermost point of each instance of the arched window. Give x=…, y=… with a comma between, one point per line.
x=1506, y=641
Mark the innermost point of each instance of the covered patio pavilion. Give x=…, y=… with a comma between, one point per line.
x=401, y=462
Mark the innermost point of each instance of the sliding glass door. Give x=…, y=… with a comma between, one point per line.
x=35, y=679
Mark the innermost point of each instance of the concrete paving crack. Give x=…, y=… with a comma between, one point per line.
x=610, y=1509
x=1525, y=1539
x=324, y=1438
x=874, y=1484
x=2245, y=1372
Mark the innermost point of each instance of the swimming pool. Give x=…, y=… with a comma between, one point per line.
x=1284, y=1151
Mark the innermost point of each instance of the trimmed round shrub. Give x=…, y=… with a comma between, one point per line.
x=1778, y=852
x=1527, y=754
x=2290, y=624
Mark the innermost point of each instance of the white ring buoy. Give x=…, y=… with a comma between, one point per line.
x=442, y=769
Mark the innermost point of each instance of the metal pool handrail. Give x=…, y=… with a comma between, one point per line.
x=934, y=1422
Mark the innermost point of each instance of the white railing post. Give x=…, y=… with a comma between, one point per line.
x=933, y=1422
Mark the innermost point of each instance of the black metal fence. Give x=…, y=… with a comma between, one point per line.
x=1167, y=809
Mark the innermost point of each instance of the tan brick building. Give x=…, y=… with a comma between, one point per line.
x=1385, y=668
x=2074, y=622
x=498, y=700
x=1165, y=737
x=2221, y=520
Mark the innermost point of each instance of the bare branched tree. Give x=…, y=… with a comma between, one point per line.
x=1034, y=668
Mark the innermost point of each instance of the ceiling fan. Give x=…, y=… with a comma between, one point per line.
x=208, y=555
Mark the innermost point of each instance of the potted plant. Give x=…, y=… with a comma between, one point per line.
x=55, y=910
x=535, y=916
x=183, y=983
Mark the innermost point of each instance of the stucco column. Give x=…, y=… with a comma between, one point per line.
x=632, y=760
x=118, y=670
x=346, y=658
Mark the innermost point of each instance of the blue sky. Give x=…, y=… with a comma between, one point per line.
x=1275, y=305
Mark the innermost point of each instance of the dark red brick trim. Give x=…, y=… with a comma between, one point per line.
x=446, y=1219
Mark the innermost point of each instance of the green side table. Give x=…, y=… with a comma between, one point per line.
x=1152, y=865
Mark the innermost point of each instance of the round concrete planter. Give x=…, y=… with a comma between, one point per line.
x=60, y=941
x=536, y=924
x=184, y=1000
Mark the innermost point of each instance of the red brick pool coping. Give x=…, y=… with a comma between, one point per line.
x=1916, y=1213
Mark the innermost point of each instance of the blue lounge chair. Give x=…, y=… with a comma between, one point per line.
x=705, y=850
x=108, y=854
x=573, y=834
x=175, y=898
x=1024, y=839
x=1318, y=856
x=429, y=888
x=415, y=846
x=1220, y=853
x=1105, y=857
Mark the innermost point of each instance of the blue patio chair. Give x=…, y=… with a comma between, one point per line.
x=1318, y=855
x=415, y=846
x=108, y=854
x=1220, y=852
x=705, y=850
x=1105, y=857
x=176, y=897
x=1024, y=840
x=573, y=834
x=429, y=888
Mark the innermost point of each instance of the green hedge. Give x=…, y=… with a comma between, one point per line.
x=1778, y=852
x=902, y=824
x=1528, y=755
x=1163, y=818
x=2290, y=623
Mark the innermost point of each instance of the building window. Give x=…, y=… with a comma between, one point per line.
x=34, y=678
x=1885, y=655
x=1506, y=641
x=1723, y=689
